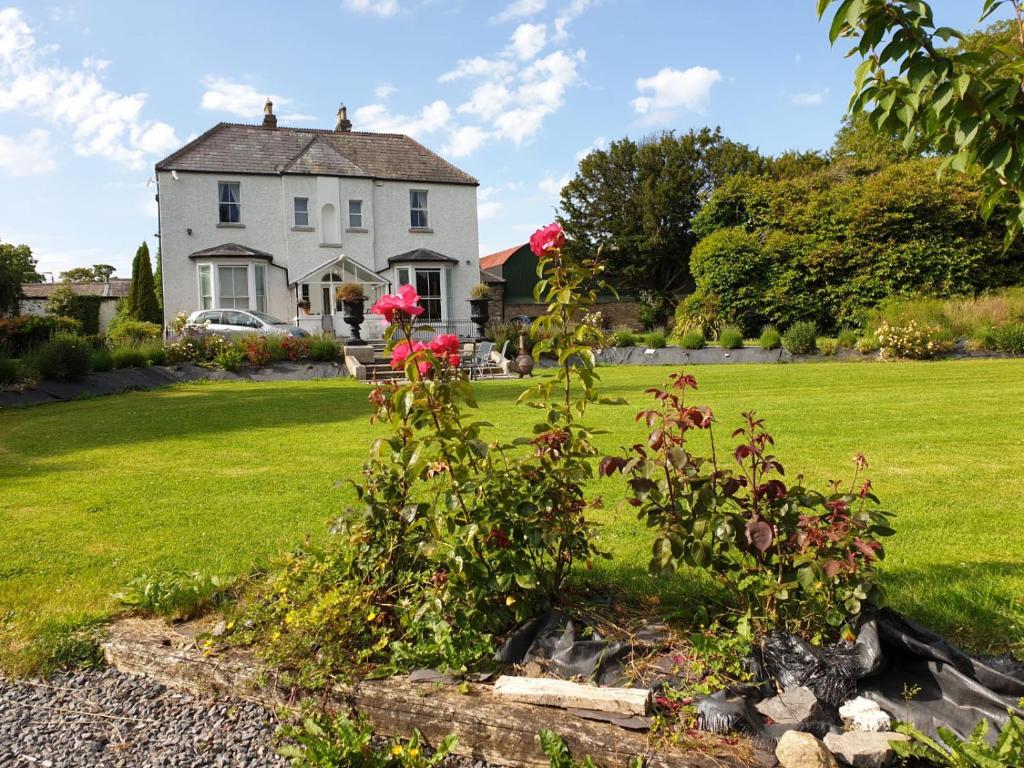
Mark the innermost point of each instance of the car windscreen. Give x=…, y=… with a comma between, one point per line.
x=269, y=319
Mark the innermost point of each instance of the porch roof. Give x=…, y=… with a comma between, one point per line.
x=231, y=250
x=421, y=255
x=365, y=274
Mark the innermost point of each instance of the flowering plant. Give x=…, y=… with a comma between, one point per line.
x=788, y=556
x=455, y=538
x=912, y=341
x=547, y=240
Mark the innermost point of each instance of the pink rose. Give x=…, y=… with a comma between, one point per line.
x=454, y=360
x=547, y=238
x=445, y=344
x=401, y=352
x=406, y=301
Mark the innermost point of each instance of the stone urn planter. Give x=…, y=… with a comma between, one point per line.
x=523, y=364
x=352, y=314
x=479, y=313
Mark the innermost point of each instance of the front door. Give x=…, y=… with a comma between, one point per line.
x=328, y=306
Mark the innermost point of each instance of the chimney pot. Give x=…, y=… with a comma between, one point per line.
x=344, y=125
x=269, y=118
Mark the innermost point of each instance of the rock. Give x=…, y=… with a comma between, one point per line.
x=795, y=705
x=864, y=749
x=220, y=629
x=802, y=750
x=861, y=714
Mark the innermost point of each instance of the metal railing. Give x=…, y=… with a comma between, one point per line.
x=463, y=328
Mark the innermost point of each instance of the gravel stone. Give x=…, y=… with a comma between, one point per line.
x=109, y=719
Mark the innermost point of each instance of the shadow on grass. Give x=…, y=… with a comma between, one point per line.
x=975, y=605
x=208, y=410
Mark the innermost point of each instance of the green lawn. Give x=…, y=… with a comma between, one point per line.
x=220, y=477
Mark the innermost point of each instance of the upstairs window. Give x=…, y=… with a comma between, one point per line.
x=418, y=208
x=355, y=214
x=229, y=202
x=301, y=211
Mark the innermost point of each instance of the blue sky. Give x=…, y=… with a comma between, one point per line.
x=92, y=94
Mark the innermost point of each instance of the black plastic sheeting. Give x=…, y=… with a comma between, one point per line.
x=910, y=672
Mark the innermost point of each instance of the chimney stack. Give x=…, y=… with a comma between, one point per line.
x=269, y=118
x=344, y=125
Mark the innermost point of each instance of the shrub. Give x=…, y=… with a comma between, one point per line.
x=913, y=341
x=63, y=358
x=801, y=338
x=1009, y=338
x=480, y=291
x=730, y=337
x=132, y=333
x=827, y=346
x=154, y=353
x=867, y=344
x=230, y=359
x=324, y=349
x=770, y=338
x=102, y=360
x=787, y=555
x=656, y=339
x=350, y=292
x=64, y=324
x=84, y=309
x=499, y=333
x=195, y=348
x=624, y=338
x=21, y=334
x=129, y=357
x=655, y=311
x=172, y=594
x=290, y=347
x=847, y=338
x=700, y=310
x=8, y=372
x=257, y=350
x=692, y=339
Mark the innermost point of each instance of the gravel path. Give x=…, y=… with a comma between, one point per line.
x=106, y=719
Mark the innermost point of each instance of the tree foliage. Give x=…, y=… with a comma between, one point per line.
x=142, y=301
x=639, y=198
x=964, y=100
x=829, y=246
x=97, y=273
x=16, y=267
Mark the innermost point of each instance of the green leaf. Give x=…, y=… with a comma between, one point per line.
x=839, y=21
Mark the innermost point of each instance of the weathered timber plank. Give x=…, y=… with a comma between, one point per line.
x=566, y=694
x=488, y=728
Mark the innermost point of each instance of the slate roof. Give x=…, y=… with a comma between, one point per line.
x=421, y=255
x=489, y=278
x=115, y=289
x=238, y=148
x=231, y=250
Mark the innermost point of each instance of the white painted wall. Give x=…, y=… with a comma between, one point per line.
x=267, y=224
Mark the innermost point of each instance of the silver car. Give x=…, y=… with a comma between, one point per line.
x=242, y=322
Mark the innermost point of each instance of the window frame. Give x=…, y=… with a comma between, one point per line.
x=408, y=272
x=353, y=215
x=305, y=212
x=237, y=204
x=206, y=299
x=423, y=210
x=256, y=285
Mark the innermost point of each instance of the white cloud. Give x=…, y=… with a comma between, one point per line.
x=103, y=122
x=488, y=210
x=552, y=186
x=376, y=117
x=675, y=89
x=571, y=12
x=518, y=10
x=488, y=100
x=244, y=101
x=383, y=91
x=464, y=141
x=528, y=40
x=599, y=143
x=478, y=66
x=808, y=98
x=382, y=8
x=28, y=155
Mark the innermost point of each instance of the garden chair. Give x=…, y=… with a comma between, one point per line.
x=481, y=359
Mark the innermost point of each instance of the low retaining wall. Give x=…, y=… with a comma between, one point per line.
x=128, y=379
x=680, y=356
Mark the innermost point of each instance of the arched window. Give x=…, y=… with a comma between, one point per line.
x=329, y=224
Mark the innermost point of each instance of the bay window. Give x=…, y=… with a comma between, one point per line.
x=233, y=286
x=206, y=286
x=430, y=284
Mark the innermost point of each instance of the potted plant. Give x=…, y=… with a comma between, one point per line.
x=352, y=299
x=303, y=305
x=479, y=313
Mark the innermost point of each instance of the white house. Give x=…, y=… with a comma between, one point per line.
x=261, y=216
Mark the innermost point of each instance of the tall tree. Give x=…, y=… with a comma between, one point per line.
x=142, y=303
x=158, y=278
x=103, y=272
x=964, y=100
x=78, y=275
x=639, y=198
x=16, y=267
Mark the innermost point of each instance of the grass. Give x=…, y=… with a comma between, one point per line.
x=219, y=478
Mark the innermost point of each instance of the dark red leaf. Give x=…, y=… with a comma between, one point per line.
x=759, y=534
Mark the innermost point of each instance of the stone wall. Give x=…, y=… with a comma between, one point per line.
x=615, y=313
